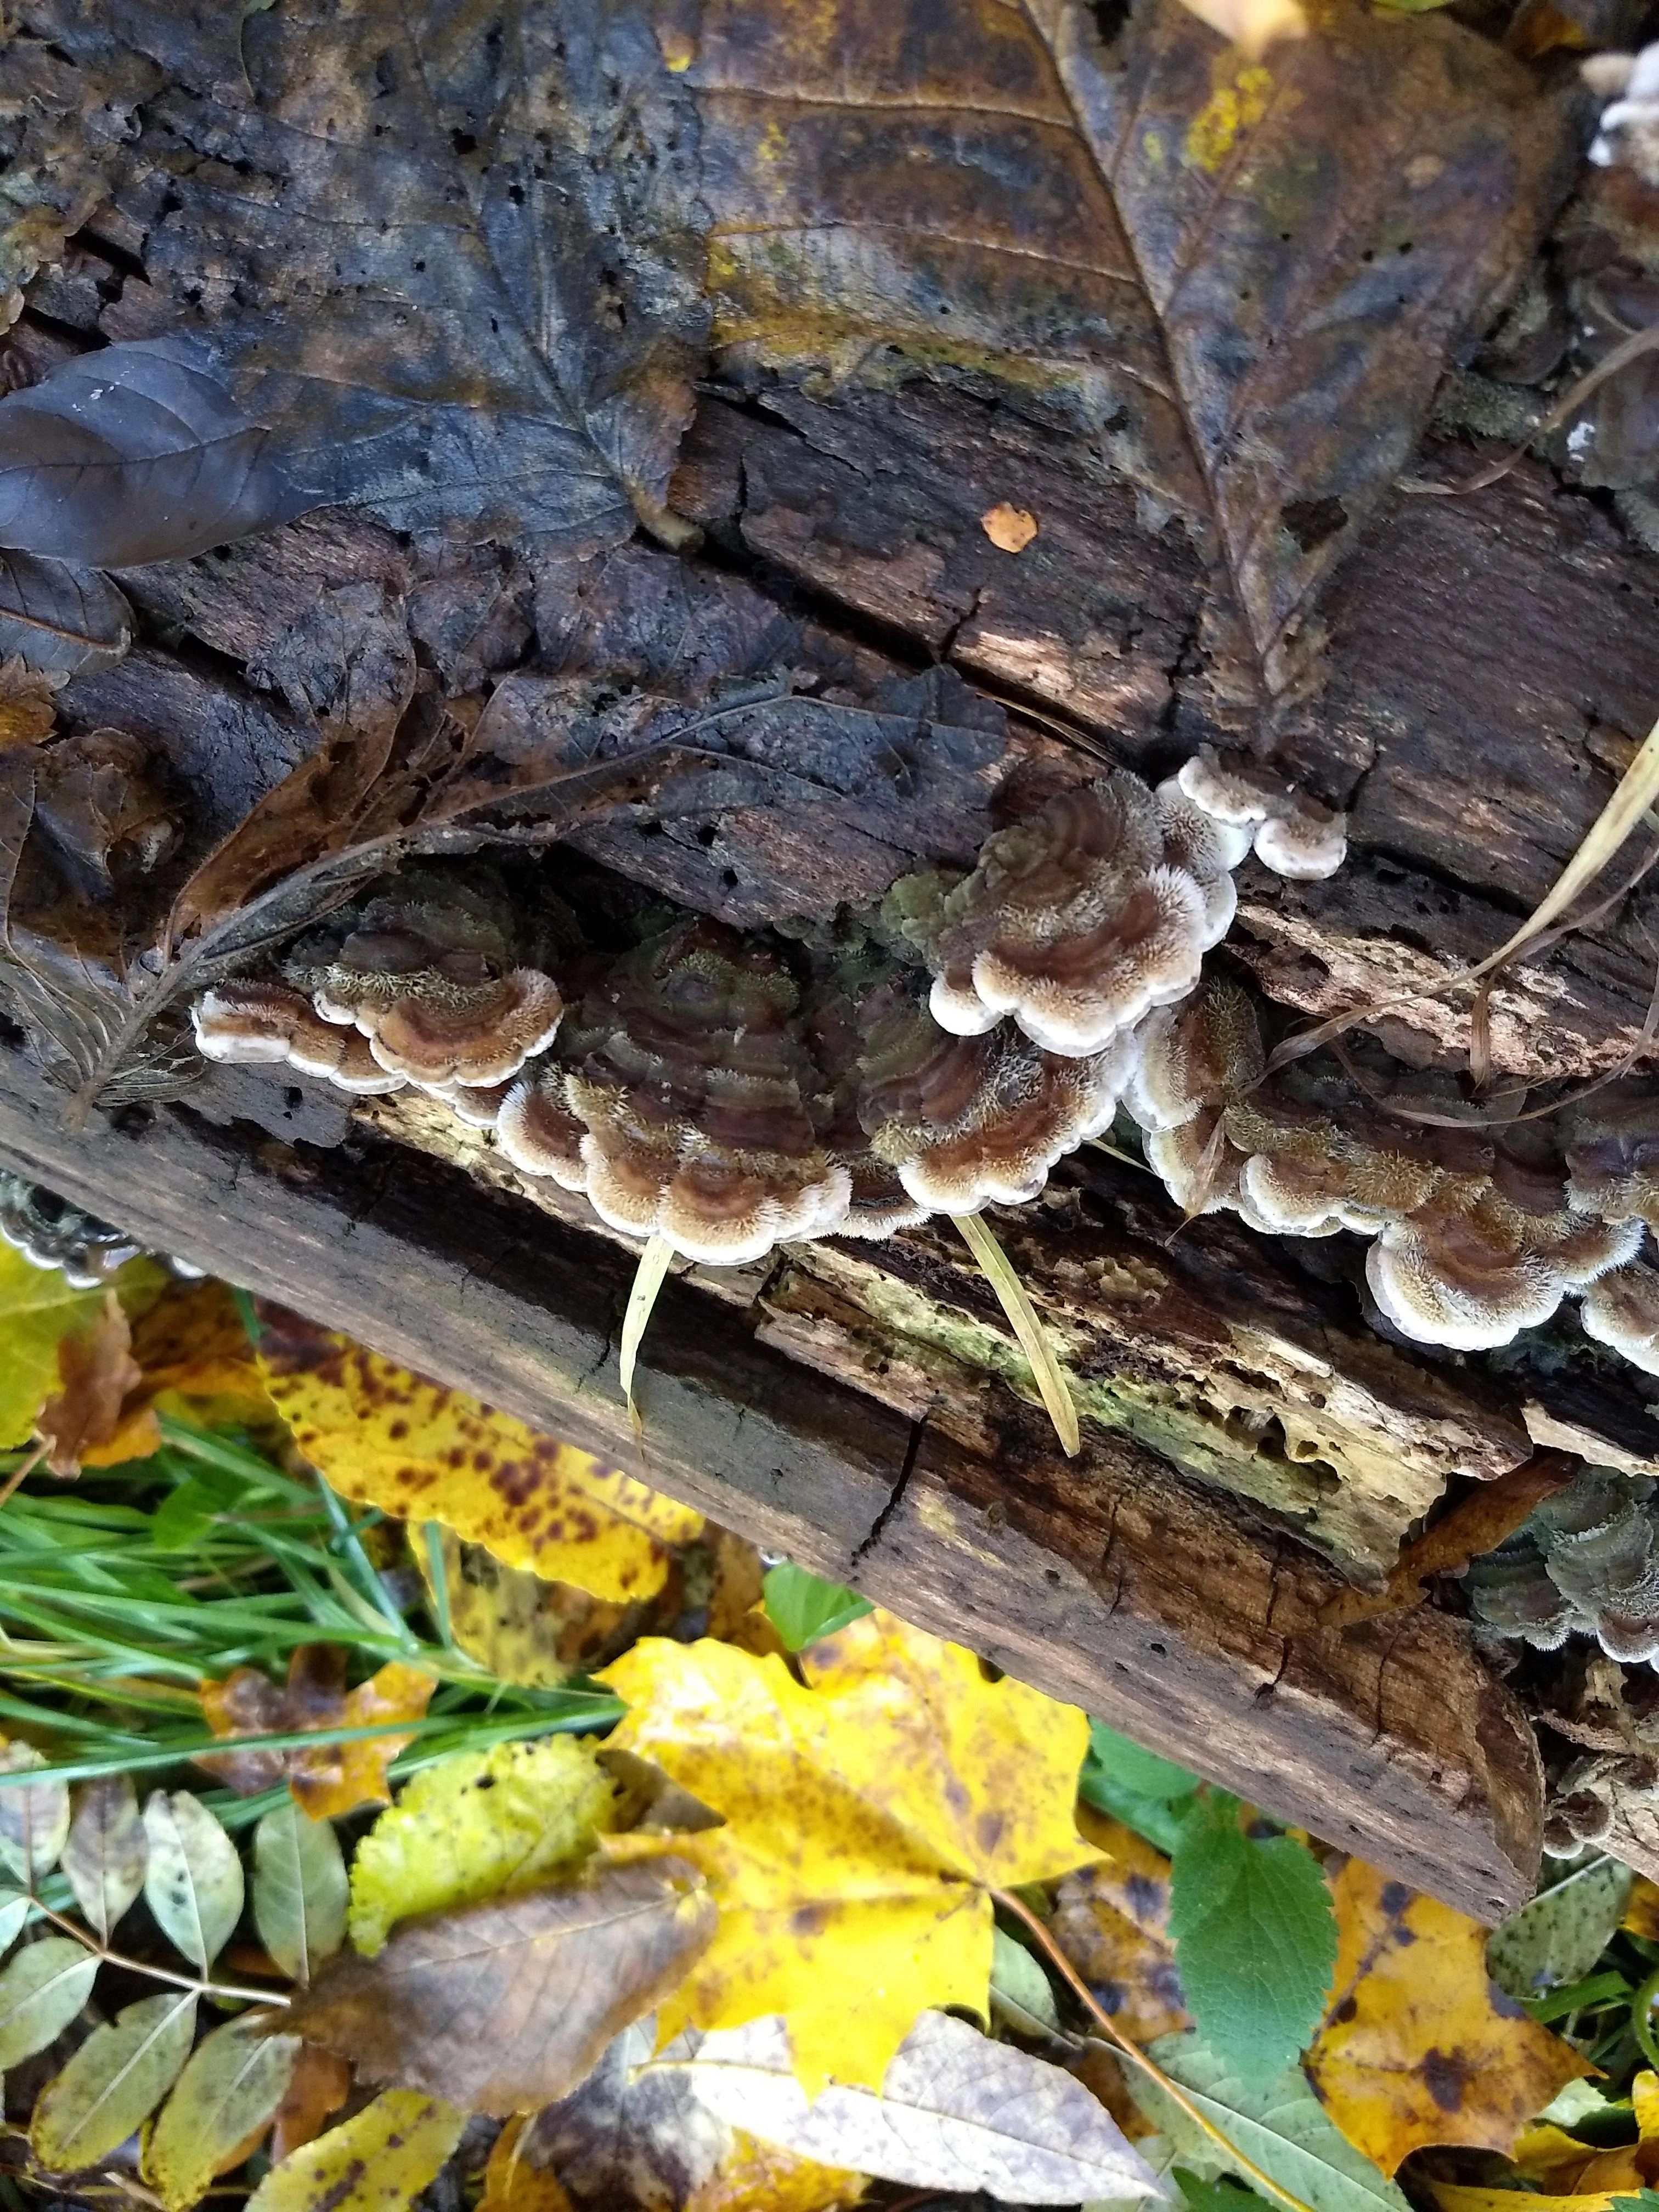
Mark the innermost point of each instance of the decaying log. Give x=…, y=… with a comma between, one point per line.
x=1251, y=1444
x=1106, y=1580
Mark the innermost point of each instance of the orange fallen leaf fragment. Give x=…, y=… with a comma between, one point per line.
x=1010, y=529
x=97, y=1370
x=194, y=1359
x=329, y=1778
x=513, y=2184
x=1418, y=2046
x=320, y=2084
x=384, y=1436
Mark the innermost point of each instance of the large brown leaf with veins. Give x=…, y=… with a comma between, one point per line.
x=1249, y=278
x=505, y=2007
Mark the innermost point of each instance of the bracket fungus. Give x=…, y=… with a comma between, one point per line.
x=1628, y=133
x=258, y=1024
x=1074, y=922
x=428, y=975
x=1293, y=834
x=1586, y=1561
x=50, y=1233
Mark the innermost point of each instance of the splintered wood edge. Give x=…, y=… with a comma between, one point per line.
x=1107, y=1581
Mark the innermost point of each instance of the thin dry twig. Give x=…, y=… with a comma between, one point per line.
x=235, y=1990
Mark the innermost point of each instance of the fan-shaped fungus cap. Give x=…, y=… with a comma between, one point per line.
x=840, y=1008
x=475, y=1036
x=1510, y=1595
x=1473, y=1274
x=538, y=1133
x=971, y=1121
x=1202, y=1053
x=1597, y=1536
x=694, y=1101
x=478, y=1105
x=1208, y=850
x=1294, y=836
x=268, y=1024
x=1612, y=1154
x=1305, y=845
x=51, y=1232
x=1072, y=922
x=1621, y=1310
x=1629, y=130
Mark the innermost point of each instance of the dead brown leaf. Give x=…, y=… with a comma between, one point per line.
x=1112, y=1921
x=97, y=1369
x=331, y=1778
x=504, y=2007
x=319, y=2086
x=27, y=713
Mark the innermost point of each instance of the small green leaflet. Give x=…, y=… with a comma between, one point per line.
x=1255, y=1939
x=1152, y=1795
x=1215, y=2196
x=802, y=1607
x=1558, y=1936
x=1281, y=2127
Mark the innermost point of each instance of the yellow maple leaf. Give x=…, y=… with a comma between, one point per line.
x=869, y=1812
x=1418, y=2046
x=385, y=1436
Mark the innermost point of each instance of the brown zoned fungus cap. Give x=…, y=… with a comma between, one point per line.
x=1072, y=922
x=694, y=1097
x=268, y=1024
x=1612, y=1154
x=971, y=1121
x=538, y=1133
x=426, y=975
x=1294, y=834
x=1628, y=132
x=1191, y=1059
x=841, y=1007
x=1621, y=1310
x=1472, y=1274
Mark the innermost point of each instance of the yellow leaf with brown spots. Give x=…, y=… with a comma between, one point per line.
x=1418, y=2045
x=1451, y=2198
x=869, y=1811
x=326, y=1779
x=1112, y=1921
x=1641, y=1912
x=385, y=1436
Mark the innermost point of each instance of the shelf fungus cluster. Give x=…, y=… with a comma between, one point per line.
x=1477, y=1227
x=1586, y=1561
x=730, y=1091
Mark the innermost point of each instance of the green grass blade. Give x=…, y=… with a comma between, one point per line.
x=1051, y=1384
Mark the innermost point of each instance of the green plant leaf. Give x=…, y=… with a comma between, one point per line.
x=107, y=1850
x=1280, y=2126
x=299, y=1889
x=478, y=1824
x=15, y=1909
x=1020, y=1988
x=113, y=2083
x=1136, y=1768
x=41, y=1990
x=234, y=2080
x=193, y=1882
x=34, y=1816
x=1215, y=2196
x=379, y=2161
x=1558, y=1936
x=803, y=1606
x=1256, y=1940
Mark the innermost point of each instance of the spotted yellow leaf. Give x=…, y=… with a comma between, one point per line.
x=1418, y=2045
x=379, y=2161
x=385, y=1436
x=475, y=1826
x=196, y=1361
x=869, y=1810
x=38, y=1310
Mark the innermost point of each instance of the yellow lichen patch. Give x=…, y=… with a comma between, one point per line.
x=1231, y=108
x=385, y=1436
x=1418, y=2046
x=869, y=1810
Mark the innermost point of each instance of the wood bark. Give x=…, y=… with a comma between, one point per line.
x=1252, y=1446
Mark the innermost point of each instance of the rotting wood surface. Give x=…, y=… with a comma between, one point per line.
x=1164, y=1603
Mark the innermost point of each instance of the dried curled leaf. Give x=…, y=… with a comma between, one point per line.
x=954, y=2112
x=331, y=1778
x=58, y=618
x=97, y=1370
x=1253, y=273
x=503, y=2007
